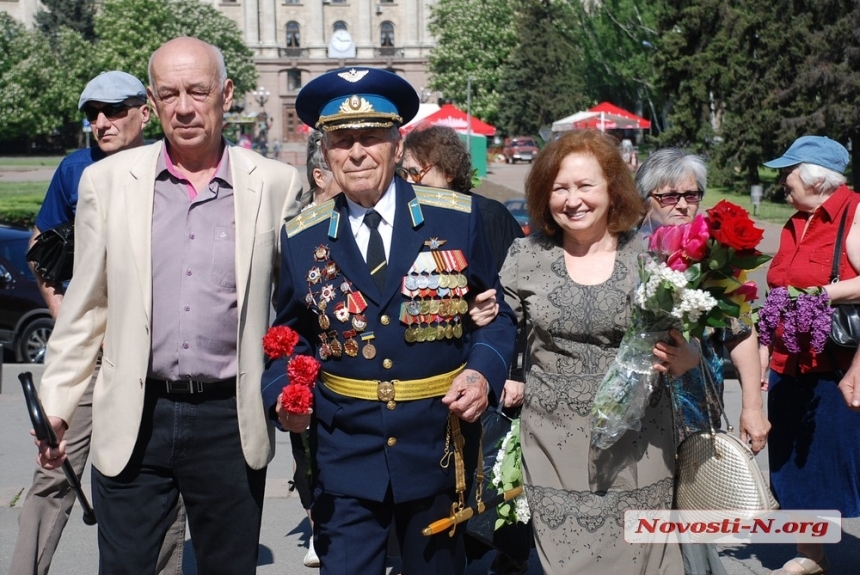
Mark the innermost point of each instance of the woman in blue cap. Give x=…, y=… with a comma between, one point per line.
x=813, y=455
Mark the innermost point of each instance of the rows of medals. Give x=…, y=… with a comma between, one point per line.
x=436, y=288
x=324, y=292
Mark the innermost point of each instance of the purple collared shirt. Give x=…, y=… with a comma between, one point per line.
x=194, y=304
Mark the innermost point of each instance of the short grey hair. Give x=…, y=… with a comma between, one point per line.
x=315, y=157
x=667, y=167
x=828, y=180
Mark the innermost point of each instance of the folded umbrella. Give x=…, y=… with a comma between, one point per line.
x=45, y=432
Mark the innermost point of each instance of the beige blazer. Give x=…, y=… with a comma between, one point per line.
x=110, y=297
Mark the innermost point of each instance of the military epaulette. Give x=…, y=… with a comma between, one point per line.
x=310, y=217
x=439, y=198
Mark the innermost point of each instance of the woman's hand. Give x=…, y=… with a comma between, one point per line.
x=514, y=391
x=678, y=357
x=484, y=308
x=754, y=428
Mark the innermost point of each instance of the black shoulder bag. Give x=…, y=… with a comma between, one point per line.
x=845, y=326
x=53, y=253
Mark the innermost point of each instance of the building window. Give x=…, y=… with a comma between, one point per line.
x=294, y=35
x=339, y=25
x=386, y=1
x=338, y=1
x=387, y=34
x=294, y=80
x=292, y=1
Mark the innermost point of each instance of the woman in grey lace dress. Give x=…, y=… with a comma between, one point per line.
x=571, y=284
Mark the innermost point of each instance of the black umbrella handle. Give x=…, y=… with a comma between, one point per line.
x=45, y=432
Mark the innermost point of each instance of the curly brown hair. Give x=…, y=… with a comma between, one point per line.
x=625, y=205
x=441, y=147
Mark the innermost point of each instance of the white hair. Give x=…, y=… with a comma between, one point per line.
x=825, y=179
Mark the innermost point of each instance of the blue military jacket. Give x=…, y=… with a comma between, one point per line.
x=362, y=447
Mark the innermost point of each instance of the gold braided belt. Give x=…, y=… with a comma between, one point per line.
x=393, y=390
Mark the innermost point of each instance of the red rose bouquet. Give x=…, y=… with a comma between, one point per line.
x=692, y=277
x=302, y=370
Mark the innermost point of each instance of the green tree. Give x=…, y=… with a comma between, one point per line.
x=76, y=15
x=28, y=87
x=543, y=80
x=129, y=31
x=617, y=39
x=474, y=39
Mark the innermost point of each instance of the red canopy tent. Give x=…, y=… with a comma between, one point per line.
x=614, y=110
x=453, y=117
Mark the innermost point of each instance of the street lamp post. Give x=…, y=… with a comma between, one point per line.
x=261, y=95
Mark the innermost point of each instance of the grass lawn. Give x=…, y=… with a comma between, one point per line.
x=20, y=201
x=30, y=161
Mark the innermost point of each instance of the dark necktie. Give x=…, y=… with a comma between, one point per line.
x=375, y=250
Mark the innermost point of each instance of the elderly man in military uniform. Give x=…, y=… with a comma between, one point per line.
x=375, y=283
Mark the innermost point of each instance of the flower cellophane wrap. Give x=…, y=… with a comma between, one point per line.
x=508, y=474
x=297, y=396
x=691, y=276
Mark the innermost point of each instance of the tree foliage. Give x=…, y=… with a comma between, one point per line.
x=616, y=38
x=129, y=31
x=28, y=90
x=474, y=38
x=543, y=80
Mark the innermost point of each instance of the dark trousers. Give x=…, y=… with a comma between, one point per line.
x=351, y=535
x=189, y=445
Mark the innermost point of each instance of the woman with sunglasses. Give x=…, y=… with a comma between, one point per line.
x=672, y=184
x=436, y=156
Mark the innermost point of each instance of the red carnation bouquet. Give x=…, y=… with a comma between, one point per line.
x=302, y=370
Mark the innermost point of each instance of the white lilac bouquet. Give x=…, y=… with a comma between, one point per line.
x=693, y=276
x=508, y=474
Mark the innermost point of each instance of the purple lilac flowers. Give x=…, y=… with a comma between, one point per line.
x=805, y=314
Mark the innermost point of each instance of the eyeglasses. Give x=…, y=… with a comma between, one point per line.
x=414, y=173
x=672, y=198
x=110, y=111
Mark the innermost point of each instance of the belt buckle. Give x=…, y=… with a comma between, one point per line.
x=184, y=386
x=385, y=392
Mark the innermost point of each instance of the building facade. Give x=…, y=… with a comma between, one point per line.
x=295, y=41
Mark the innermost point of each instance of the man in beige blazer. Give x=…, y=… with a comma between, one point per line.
x=174, y=272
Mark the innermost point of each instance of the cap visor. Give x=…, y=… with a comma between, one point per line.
x=782, y=162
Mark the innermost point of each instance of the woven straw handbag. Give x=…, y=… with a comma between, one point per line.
x=715, y=470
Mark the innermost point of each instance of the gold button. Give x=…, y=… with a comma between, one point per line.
x=392, y=441
x=385, y=320
x=387, y=363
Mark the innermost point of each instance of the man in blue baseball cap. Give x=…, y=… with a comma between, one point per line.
x=374, y=282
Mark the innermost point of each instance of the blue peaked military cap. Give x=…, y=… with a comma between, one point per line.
x=357, y=97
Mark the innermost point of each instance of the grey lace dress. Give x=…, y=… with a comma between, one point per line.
x=578, y=494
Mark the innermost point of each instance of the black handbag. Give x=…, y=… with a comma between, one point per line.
x=845, y=326
x=53, y=253
x=515, y=540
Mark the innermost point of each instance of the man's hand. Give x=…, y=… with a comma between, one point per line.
x=295, y=422
x=467, y=398
x=52, y=457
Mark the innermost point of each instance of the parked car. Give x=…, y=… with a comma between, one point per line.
x=520, y=213
x=25, y=322
x=520, y=149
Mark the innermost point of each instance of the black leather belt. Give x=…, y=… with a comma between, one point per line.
x=191, y=386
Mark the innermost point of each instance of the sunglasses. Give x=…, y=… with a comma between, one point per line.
x=110, y=111
x=414, y=173
x=672, y=198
